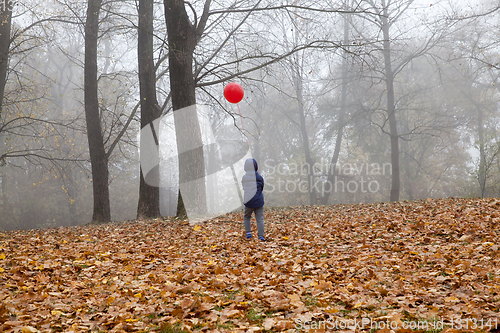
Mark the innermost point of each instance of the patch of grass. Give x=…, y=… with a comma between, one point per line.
x=198, y=327
x=199, y=294
x=255, y=316
x=169, y=328
x=311, y=301
x=269, y=313
x=443, y=273
x=382, y=313
x=231, y=293
x=228, y=325
x=341, y=303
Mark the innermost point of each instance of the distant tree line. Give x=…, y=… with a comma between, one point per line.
x=335, y=83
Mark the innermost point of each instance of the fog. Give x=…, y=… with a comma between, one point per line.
x=344, y=102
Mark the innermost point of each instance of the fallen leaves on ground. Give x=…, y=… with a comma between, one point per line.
x=392, y=263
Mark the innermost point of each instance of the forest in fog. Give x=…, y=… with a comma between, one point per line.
x=345, y=101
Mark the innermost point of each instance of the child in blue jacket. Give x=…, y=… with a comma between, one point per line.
x=253, y=199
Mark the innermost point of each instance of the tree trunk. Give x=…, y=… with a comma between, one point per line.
x=149, y=194
x=98, y=157
x=391, y=109
x=303, y=130
x=407, y=179
x=5, y=24
x=182, y=39
x=482, y=153
x=343, y=111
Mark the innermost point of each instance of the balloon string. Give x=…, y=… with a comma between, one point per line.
x=243, y=128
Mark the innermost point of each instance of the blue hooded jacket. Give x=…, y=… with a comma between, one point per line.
x=253, y=184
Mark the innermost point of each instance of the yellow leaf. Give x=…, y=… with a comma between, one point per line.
x=29, y=329
x=196, y=228
x=285, y=238
x=2, y=256
x=331, y=310
x=130, y=320
x=138, y=295
x=2, y=270
x=55, y=312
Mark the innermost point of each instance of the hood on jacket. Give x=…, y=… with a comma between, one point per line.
x=251, y=165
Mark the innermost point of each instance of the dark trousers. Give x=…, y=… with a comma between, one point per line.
x=259, y=217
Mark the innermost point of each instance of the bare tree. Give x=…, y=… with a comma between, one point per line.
x=5, y=25
x=98, y=156
x=385, y=16
x=183, y=36
x=343, y=104
x=149, y=196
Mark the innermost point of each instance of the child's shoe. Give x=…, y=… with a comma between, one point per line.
x=249, y=235
x=262, y=238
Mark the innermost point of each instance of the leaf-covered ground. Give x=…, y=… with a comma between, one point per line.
x=325, y=268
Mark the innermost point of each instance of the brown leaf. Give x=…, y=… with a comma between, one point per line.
x=295, y=300
x=269, y=323
x=424, y=259
x=186, y=289
x=218, y=270
x=195, y=305
x=178, y=312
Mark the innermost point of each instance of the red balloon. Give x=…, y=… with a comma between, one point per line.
x=233, y=92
